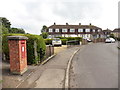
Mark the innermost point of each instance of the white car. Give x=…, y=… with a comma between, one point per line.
x=110, y=40
x=56, y=42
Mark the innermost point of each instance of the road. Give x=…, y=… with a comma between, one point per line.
x=95, y=66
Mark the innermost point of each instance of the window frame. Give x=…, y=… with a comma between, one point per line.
x=80, y=30
x=72, y=30
x=64, y=30
x=50, y=30
x=87, y=30
x=57, y=30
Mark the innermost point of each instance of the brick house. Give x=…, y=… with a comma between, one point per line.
x=85, y=31
x=116, y=32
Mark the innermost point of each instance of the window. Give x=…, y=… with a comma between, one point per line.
x=80, y=30
x=99, y=30
x=87, y=30
x=56, y=30
x=50, y=30
x=93, y=30
x=72, y=30
x=64, y=30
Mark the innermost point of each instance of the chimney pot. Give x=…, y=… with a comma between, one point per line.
x=79, y=23
x=66, y=23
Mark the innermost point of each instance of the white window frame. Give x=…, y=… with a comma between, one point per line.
x=64, y=30
x=87, y=30
x=56, y=30
x=72, y=30
x=93, y=30
x=50, y=30
x=99, y=30
x=80, y=30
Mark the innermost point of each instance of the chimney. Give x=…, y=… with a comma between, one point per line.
x=54, y=23
x=79, y=23
x=66, y=23
x=90, y=24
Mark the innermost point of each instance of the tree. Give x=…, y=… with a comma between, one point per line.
x=4, y=30
x=43, y=28
x=5, y=22
x=44, y=35
x=16, y=30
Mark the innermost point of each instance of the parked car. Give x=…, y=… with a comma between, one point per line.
x=89, y=40
x=56, y=42
x=110, y=40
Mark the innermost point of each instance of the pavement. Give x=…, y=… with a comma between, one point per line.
x=95, y=66
x=50, y=75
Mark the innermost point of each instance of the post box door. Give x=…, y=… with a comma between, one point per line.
x=23, y=49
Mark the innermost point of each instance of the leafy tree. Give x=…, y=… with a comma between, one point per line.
x=44, y=35
x=16, y=30
x=43, y=28
x=5, y=22
x=4, y=30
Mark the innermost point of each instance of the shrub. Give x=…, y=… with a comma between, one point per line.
x=64, y=41
x=48, y=41
x=61, y=37
x=74, y=38
x=41, y=47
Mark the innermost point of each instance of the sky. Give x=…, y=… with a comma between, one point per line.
x=31, y=15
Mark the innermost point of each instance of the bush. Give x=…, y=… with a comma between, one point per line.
x=61, y=37
x=64, y=41
x=74, y=38
x=48, y=41
x=41, y=47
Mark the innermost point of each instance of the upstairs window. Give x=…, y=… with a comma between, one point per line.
x=50, y=30
x=87, y=30
x=80, y=30
x=93, y=30
x=64, y=30
x=72, y=30
x=99, y=30
x=56, y=30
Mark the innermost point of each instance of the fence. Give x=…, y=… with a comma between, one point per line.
x=49, y=50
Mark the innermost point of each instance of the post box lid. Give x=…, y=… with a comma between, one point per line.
x=17, y=37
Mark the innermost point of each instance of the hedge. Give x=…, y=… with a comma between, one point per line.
x=63, y=39
x=48, y=41
x=31, y=59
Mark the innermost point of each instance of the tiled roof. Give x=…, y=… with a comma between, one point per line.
x=73, y=26
x=116, y=30
x=107, y=30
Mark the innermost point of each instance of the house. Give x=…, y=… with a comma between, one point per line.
x=86, y=31
x=107, y=33
x=116, y=32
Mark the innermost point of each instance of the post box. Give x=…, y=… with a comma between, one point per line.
x=18, y=54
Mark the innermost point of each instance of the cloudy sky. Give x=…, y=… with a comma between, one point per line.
x=31, y=15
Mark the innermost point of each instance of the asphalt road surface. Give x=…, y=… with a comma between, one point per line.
x=95, y=66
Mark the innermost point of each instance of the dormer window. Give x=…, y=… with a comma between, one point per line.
x=50, y=30
x=80, y=30
x=57, y=30
x=64, y=30
x=72, y=30
x=87, y=30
